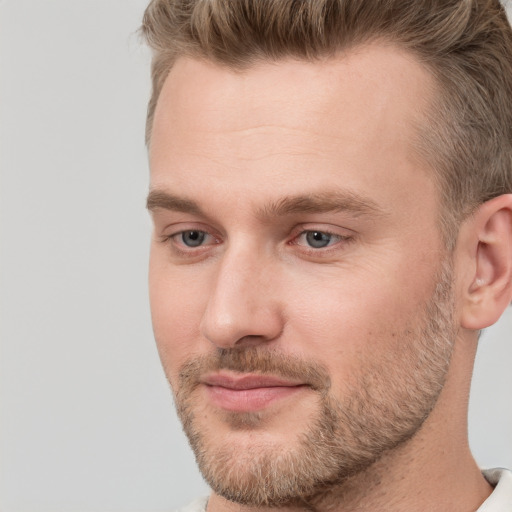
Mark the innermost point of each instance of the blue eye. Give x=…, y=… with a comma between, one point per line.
x=318, y=239
x=193, y=238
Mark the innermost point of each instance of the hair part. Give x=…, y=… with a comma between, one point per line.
x=466, y=44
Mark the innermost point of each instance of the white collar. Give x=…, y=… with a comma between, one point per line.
x=501, y=498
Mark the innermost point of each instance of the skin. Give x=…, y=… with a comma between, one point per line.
x=227, y=148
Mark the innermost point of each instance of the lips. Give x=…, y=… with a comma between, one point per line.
x=247, y=393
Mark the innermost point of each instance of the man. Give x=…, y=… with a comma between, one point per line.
x=331, y=194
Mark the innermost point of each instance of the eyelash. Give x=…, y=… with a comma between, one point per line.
x=323, y=250
x=185, y=251
x=181, y=249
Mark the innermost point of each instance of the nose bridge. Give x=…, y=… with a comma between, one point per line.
x=242, y=305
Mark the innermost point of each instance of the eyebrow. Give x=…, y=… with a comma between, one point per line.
x=321, y=202
x=158, y=199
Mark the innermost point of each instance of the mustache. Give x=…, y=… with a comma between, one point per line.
x=255, y=360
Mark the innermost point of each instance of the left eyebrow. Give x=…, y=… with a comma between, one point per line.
x=322, y=202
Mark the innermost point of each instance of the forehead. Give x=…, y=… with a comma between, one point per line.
x=293, y=123
x=364, y=83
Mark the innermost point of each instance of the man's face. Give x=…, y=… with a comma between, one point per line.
x=300, y=295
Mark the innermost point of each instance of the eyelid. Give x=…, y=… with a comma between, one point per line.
x=328, y=229
x=344, y=235
x=177, y=228
x=332, y=235
x=171, y=237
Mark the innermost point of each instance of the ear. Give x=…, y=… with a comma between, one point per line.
x=487, y=243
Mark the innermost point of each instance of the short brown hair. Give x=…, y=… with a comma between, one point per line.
x=467, y=45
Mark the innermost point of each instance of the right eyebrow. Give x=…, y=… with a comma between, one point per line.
x=158, y=199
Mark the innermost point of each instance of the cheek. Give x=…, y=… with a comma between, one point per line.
x=177, y=307
x=351, y=324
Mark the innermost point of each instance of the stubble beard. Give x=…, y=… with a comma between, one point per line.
x=386, y=405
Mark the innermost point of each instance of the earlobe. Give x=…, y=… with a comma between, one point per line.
x=488, y=290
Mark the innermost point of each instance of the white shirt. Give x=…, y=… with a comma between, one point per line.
x=499, y=501
x=501, y=498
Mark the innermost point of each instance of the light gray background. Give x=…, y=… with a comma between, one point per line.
x=86, y=422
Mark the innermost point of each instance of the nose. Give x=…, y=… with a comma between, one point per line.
x=243, y=307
